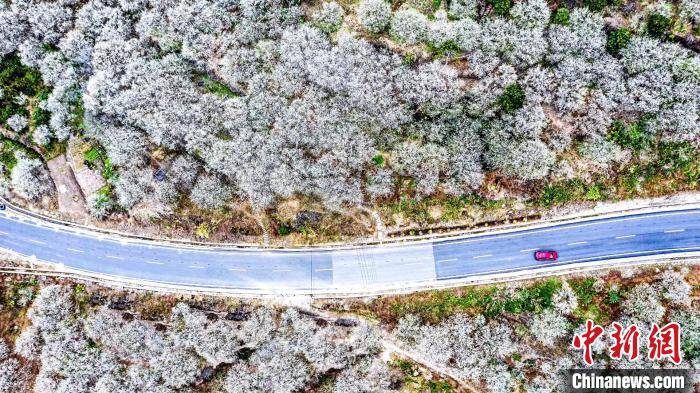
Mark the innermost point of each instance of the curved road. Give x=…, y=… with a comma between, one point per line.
x=354, y=269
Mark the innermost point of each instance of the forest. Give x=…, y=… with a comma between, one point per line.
x=67, y=336
x=220, y=103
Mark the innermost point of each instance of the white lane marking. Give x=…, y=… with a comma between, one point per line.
x=482, y=256
x=154, y=263
x=3, y=233
x=74, y=250
x=625, y=237
x=525, y=231
x=36, y=241
x=530, y=250
x=233, y=269
x=195, y=267
x=324, y=270
x=281, y=270
x=412, y=263
x=113, y=257
x=576, y=243
x=447, y=260
x=675, y=231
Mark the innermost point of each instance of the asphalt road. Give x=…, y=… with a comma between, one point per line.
x=357, y=269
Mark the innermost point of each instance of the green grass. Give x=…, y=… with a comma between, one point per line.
x=413, y=376
x=490, y=301
x=92, y=155
x=634, y=136
x=108, y=172
x=592, y=304
x=96, y=154
x=378, y=160
x=450, y=48
x=512, y=99
x=78, y=112
x=572, y=190
x=216, y=87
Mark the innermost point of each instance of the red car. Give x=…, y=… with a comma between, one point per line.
x=546, y=255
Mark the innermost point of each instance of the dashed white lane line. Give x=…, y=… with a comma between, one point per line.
x=530, y=250
x=36, y=241
x=3, y=233
x=324, y=270
x=674, y=231
x=482, y=256
x=113, y=257
x=195, y=267
x=74, y=250
x=625, y=237
x=412, y=263
x=154, y=263
x=233, y=269
x=576, y=243
x=281, y=270
x=447, y=260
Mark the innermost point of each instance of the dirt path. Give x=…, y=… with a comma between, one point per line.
x=70, y=198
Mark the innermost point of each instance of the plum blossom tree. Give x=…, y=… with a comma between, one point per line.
x=17, y=123
x=549, y=327
x=329, y=17
x=374, y=15
x=409, y=26
x=643, y=305
x=675, y=288
x=30, y=179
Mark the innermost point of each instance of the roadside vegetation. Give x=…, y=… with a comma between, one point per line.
x=60, y=335
x=434, y=114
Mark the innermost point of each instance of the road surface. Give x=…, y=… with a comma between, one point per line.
x=358, y=269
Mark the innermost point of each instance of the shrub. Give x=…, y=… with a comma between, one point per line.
x=618, y=40
x=635, y=136
x=374, y=15
x=216, y=87
x=512, y=99
x=500, y=7
x=657, y=25
x=561, y=16
x=595, y=5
